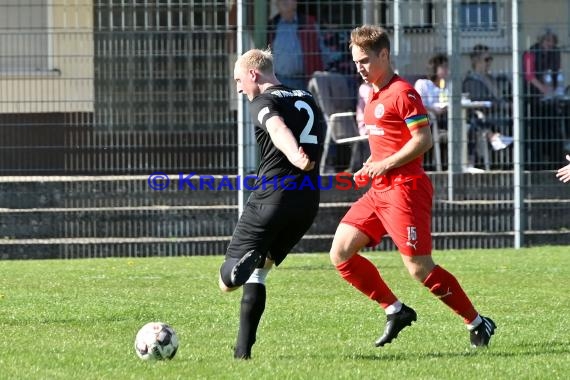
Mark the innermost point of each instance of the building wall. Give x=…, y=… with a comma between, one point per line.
x=66, y=85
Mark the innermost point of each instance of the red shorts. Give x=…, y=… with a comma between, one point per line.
x=403, y=212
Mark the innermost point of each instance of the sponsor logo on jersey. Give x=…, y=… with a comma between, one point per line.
x=375, y=130
x=289, y=94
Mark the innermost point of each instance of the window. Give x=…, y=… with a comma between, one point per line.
x=486, y=21
x=478, y=16
x=415, y=15
x=24, y=38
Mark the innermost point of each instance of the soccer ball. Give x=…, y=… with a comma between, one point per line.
x=156, y=341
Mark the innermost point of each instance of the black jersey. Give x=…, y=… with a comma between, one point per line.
x=278, y=180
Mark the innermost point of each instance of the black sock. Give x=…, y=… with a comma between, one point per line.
x=252, y=307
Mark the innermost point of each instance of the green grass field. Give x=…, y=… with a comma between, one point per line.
x=77, y=319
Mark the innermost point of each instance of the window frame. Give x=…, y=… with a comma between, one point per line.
x=493, y=29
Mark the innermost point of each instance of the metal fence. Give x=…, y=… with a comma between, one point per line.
x=130, y=87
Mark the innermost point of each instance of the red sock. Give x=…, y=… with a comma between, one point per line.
x=444, y=286
x=364, y=276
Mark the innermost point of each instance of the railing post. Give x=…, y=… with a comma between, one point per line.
x=455, y=122
x=518, y=132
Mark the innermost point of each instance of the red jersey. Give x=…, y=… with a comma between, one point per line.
x=390, y=114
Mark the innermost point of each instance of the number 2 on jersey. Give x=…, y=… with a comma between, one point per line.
x=306, y=137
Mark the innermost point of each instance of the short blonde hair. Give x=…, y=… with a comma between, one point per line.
x=258, y=59
x=370, y=37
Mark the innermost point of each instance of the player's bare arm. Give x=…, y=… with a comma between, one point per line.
x=285, y=141
x=420, y=143
x=563, y=173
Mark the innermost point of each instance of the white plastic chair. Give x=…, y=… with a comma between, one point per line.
x=337, y=101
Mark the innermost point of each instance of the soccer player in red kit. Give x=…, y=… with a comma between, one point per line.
x=399, y=203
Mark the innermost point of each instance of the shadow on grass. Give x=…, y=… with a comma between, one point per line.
x=328, y=266
x=538, y=349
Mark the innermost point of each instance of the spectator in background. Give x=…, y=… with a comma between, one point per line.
x=481, y=85
x=335, y=51
x=296, y=45
x=360, y=149
x=542, y=75
x=433, y=91
x=542, y=65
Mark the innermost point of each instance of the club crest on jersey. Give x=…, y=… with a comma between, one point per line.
x=379, y=111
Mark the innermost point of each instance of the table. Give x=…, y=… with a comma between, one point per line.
x=466, y=105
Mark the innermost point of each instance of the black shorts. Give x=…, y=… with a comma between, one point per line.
x=270, y=229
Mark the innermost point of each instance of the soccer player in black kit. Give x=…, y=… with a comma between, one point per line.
x=289, y=128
